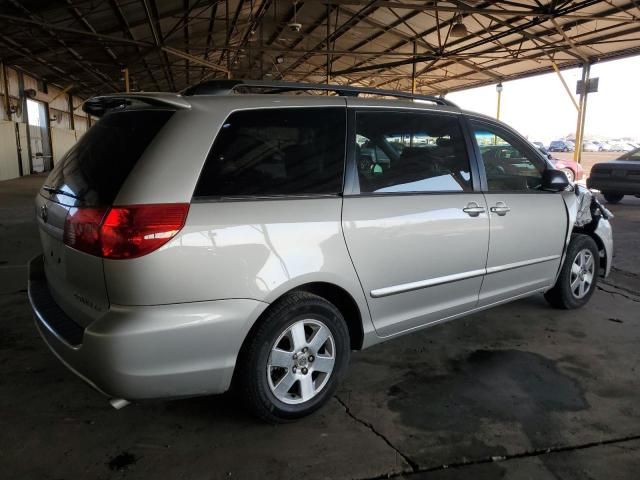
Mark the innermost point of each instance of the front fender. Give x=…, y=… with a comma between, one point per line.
x=588, y=217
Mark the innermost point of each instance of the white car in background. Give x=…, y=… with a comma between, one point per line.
x=624, y=147
x=590, y=147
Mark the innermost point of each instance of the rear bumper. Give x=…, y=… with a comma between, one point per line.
x=140, y=352
x=623, y=187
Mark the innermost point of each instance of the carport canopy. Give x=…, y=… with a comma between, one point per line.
x=430, y=47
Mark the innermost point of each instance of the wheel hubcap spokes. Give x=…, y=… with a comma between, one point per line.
x=582, y=271
x=301, y=361
x=569, y=173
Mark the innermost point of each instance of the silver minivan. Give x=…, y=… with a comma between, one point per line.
x=247, y=234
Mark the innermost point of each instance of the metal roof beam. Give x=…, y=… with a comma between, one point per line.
x=186, y=19
x=537, y=56
x=212, y=19
x=409, y=39
x=539, y=37
x=26, y=53
x=288, y=17
x=82, y=19
x=383, y=29
x=354, y=20
x=230, y=27
x=467, y=64
x=469, y=9
x=124, y=24
x=75, y=31
x=185, y=32
x=257, y=18
x=97, y=74
x=154, y=25
x=478, y=43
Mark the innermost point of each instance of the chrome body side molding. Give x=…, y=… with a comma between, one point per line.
x=407, y=287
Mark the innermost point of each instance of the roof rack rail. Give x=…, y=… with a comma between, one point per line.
x=226, y=87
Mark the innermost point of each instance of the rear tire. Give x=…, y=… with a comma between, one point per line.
x=579, y=274
x=612, y=197
x=286, y=370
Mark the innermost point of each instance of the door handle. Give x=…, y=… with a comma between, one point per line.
x=473, y=209
x=500, y=208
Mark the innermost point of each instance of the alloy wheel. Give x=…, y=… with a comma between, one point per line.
x=582, y=272
x=301, y=361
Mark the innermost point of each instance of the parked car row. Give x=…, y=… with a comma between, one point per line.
x=571, y=169
x=591, y=146
x=562, y=146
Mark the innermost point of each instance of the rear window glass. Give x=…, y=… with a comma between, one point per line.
x=633, y=155
x=95, y=168
x=274, y=152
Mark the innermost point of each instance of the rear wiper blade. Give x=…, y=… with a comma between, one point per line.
x=59, y=191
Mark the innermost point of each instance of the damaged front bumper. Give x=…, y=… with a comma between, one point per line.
x=592, y=218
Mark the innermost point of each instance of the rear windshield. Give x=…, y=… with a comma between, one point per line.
x=93, y=171
x=275, y=152
x=633, y=155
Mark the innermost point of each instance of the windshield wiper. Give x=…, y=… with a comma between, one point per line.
x=59, y=191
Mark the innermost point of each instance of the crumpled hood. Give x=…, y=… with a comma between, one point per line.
x=588, y=208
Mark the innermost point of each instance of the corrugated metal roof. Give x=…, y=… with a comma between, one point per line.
x=170, y=44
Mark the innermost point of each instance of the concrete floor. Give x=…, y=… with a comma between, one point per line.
x=522, y=391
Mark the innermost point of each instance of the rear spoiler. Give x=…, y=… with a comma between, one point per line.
x=98, y=106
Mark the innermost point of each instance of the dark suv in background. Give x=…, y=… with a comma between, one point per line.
x=560, y=146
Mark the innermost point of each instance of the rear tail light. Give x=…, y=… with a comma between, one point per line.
x=82, y=229
x=124, y=232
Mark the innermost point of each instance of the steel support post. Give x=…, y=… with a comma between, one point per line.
x=582, y=113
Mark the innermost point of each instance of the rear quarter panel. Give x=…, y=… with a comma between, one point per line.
x=248, y=248
x=242, y=249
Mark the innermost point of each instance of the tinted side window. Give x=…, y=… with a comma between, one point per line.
x=507, y=163
x=293, y=151
x=411, y=152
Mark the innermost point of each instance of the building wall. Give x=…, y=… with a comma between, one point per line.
x=61, y=141
x=63, y=136
x=24, y=151
x=8, y=152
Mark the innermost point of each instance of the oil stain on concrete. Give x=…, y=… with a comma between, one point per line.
x=496, y=387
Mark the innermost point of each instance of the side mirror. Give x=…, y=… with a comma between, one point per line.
x=554, y=180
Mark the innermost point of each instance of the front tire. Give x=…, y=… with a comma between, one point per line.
x=612, y=197
x=569, y=173
x=579, y=274
x=294, y=360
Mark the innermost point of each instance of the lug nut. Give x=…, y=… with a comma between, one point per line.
x=304, y=350
x=311, y=358
x=293, y=369
x=295, y=355
x=304, y=371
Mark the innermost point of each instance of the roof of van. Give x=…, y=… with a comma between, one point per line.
x=245, y=94
x=230, y=88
